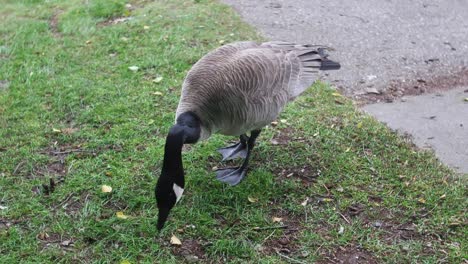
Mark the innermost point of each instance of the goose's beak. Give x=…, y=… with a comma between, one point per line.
x=162, y=217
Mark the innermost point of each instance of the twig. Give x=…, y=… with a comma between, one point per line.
x=18, y=166
x=69, y=151
x=288, y=258
x=269, y=236
x=270, y=227
x=344, y=217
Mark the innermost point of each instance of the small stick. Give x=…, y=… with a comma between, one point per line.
x=288, y=258
x=344, y=217
x=270, y=227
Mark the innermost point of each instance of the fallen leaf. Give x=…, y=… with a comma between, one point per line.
x=277, y=219
x=106, y=189
x=88, y=41
x=214, y=168
x=304, y=203
x=348, y=149
x=43, y=236
x=336, y=94
x=66, y=243
x=146, y=27
x=274, y=123
x=443, y=196
x=341, y=230
x=422, y=200
x=283, y=121
x=340, y=189
x=108, y=174
x=327, y=200
x=359, y=125
x=222, y=41
x=134, y=68
x=121, y=215
x=55, y=130
x=158, y=93
x=252, y=200
x=175, y=241
x=158, y=79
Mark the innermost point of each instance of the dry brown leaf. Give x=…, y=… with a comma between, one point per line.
x=106, y=189
x=276, y=219
x=175, y=241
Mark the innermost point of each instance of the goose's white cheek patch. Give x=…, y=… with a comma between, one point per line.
x=178, y=191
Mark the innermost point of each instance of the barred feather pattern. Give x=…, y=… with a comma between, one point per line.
x=244, y=86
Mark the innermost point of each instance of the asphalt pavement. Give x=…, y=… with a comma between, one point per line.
x=390, y=50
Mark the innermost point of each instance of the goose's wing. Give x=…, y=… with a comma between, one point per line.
x=302, y=61
x=278, y=67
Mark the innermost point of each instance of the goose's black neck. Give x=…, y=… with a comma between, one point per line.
x=186, y=130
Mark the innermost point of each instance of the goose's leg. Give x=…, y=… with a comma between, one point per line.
x=238, y=150
x=234, y=176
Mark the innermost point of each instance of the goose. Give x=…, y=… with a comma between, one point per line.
x=233, y=90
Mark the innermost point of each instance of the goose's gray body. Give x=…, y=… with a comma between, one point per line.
x=244, y=86
x=235, y=89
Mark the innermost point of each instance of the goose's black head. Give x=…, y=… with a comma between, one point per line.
x=168, y=193
x=171, y=183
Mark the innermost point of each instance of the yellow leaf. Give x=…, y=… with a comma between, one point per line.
x=146, y=27
x=422, y=200
x=106, y=189
x=252, y=200
x=121, y=215
x=359, y=125
x=348, y=149
x=336, y=94
x=158, y=80
x=55, y=130
x=175, y=241
x=277, y=219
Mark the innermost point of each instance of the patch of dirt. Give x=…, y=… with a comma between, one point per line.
x=114, y=21
x=287, y=243
x=350, y=255
x=397, y=88
x=306, y=174
x=72, y=204
x=192, y=250
x=53, y=25
x=48, y=239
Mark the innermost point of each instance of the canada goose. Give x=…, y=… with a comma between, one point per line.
x=235, y=89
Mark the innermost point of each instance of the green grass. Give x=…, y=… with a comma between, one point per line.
x=71, y=110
